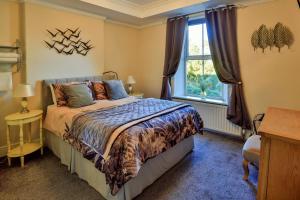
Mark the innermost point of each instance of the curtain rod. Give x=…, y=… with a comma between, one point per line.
x=223, y=7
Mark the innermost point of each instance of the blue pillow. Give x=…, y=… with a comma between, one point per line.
x=115, y=89
x=79, y=95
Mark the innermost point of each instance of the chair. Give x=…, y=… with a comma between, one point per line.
x=251, y=148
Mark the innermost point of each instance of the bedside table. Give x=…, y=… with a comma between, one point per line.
x=19, y=119
x=137, y=95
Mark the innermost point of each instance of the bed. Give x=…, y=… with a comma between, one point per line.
x=135, y=154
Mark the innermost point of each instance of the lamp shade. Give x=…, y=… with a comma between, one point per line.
x=24, y=90
x=130, y=80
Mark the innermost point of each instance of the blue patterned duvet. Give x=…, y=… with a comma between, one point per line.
x=134, y=132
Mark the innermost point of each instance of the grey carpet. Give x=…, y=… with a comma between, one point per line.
x=212, y=171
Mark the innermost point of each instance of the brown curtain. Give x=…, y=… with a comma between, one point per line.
x=222, y=36
x=174, y=43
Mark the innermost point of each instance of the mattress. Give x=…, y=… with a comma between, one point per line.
x=150, y=171
x=167, y=124
x=57, y=117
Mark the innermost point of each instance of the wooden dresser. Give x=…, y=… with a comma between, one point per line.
x=279, y=167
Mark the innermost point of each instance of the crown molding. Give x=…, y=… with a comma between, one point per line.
x=122, y=24
x=58, y=7
x=156, y=23
x=162, y=6
x=146, y=10
x=14, y=1
x=142, y=15
x=122, y=6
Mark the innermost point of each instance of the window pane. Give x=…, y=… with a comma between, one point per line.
x=200, y=78
x=194, y=69
x=211, y=85
x=195, y=40
x=206, y=44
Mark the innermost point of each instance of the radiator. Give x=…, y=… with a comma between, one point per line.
x=214, y=117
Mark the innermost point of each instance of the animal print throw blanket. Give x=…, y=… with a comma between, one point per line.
x=120, y=139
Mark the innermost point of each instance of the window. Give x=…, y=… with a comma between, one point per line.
x=200, y=79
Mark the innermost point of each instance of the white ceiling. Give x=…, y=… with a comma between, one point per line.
x=142, y=2
x=143, y=12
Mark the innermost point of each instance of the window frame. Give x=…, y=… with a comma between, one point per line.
x=224, y=98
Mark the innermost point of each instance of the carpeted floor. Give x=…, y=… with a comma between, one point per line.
x=212, y=171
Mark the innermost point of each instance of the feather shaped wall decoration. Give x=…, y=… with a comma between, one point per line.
x=271, y=38
x=254, y=40
x=263, y=37
x=279, y=37
x=68, y=42
x=288, y=37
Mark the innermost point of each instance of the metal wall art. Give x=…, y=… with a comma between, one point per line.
x=279, y=36
x=68, y=42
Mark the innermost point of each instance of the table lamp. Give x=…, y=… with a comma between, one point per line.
x=24, y=91
x=130, y=82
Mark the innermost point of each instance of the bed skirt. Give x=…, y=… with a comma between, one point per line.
x=86, y=170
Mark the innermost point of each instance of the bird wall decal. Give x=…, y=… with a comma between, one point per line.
x=68, y=41
x=76, y=41
x=59, y=41
x=49, y=45
x=62, y=32
x=86, y=43
x=70, y=52
x=52, y=34
x=59, y=50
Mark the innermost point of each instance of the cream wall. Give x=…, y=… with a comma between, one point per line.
x=32, y=20
x=116, y=48
x=151, y=58
x=9, y=32
x=121, y=51
x=137, y=52
x=43, y=63
x=270, y=79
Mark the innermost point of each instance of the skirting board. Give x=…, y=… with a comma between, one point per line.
x=224, y=134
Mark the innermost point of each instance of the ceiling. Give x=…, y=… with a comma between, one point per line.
x=142, y=2
x=143, y=12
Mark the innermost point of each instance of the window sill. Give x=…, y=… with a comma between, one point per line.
x=198, y=99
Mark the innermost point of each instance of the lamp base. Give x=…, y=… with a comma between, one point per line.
x=24, y=110
x=24, y=105
x=130, y=89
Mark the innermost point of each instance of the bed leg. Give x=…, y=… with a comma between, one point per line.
x=246, y=169
x=201, y=132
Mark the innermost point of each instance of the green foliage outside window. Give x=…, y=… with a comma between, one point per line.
x=202, y=81
x=201, y=78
